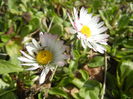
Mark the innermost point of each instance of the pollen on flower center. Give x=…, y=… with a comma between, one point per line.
x=86, y=31
x=44, y=57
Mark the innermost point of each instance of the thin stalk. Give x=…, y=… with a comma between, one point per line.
x=33, y=33
x=50, y=25
x=53, y=73
x=49, y=85
x=105, y=76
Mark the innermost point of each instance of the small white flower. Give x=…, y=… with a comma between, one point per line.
x=45, y=55
x=89, y=30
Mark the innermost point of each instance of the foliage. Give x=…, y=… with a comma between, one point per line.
x=82, y=77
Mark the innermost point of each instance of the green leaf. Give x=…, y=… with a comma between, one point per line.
x=58, y=19
x=25, y=30
x=124, y=72
x=97, y=4
x=128, y=43
x=73, y=65
x=90, y=90
x=3, y=84
x=125, y=68
x=125, y=54
x=40, y=95
x=128, y=85
x=57, y=29
x=7, y=67
x=7, y=78
x=9, y=95
x=13, y=51
x=88, y=94
x=12, y=5
x=76, y=54
x=76, y=96
x=84, y=74
x=34, y=23
x=111, y=80
x=5, y=88
x=57, y=91
x=2, y=44
x=123, y=21
x=92, y=84
x=5, y=38
x=77, y=82
x=65, y=81
x=96, y=61
x=125, y=96
x=105, y=19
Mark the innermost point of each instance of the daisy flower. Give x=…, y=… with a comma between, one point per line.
x=89, y=30
x=45, y=55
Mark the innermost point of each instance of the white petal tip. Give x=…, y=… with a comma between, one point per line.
x=41, y=33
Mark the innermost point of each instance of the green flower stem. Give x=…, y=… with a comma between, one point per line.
x=50, y=24
x=105, y=73
x=53, y=73
x=49, y=85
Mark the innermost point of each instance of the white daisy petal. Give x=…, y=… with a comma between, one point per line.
x=103, y=42
x=97, y=47
x=43, y=40
x=26, y=55
x=36, y=44
x=102, y=29
x=88, y=43
x=83, y=44
x=101, y=37
x=100, y=48
x=70, y=19
x=100, y=24
x=31, y=64
x=95, y=19
x=75, y=13
x=23, y=59
x=43, y=75
x=61, y=63
x=31, y=49
x=70, y=30
x=83, y=13
x=32, y=68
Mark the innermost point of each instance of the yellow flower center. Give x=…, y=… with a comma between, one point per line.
x=44, y=57
x=86, y=31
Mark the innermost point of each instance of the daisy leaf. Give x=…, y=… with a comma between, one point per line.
x=7, y=67
x=57, y=91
